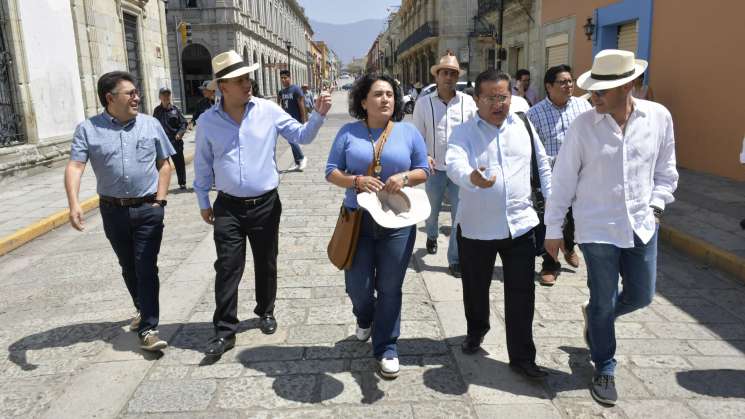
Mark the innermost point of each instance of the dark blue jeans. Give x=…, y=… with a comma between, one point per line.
x=375, y=279
x=297, y=153
x=637, y=267
x=135, y=234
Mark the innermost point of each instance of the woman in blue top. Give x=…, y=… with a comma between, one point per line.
x=376, y=276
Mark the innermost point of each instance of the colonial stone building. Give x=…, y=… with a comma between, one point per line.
x=51, y=55
x=263, y=31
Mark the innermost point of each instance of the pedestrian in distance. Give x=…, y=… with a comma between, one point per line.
x=129, y=154
x=207, y=88
x=490, y=158
x=522, y=87
x=396, y=153
x=617, y=171
x=174, y=124
x=292, y=100
x=236, y=140
x=436, y=115
x=552, y=118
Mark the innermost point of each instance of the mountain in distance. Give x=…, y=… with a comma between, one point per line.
x=348, y=40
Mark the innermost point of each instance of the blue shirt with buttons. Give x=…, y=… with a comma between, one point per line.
x=242, y=156
x=123, y=156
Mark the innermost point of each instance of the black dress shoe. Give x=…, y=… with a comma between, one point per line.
x=431, y=246
x=529, y=369
x=218, y=346
x=454, y=270
x=471, y=345
x=268, y=325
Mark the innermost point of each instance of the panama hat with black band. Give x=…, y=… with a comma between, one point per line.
x=611, y=68
x=229, y=64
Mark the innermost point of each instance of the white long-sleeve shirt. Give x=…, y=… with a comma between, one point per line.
x=505, y=209
x=610, y=178
x=436, y=120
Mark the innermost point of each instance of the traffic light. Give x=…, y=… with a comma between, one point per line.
x=184, y=28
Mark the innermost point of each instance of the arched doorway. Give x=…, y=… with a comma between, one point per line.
x=197, y=67
x=256, y=74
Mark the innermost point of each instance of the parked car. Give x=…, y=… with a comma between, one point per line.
x=347, y=86
x=460, y=86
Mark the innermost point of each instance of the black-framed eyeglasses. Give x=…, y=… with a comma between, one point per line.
x=132, y=93
x=562, y=83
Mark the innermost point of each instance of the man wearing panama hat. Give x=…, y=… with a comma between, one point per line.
x=435, y=116
x=235, y=143
x=616, y=169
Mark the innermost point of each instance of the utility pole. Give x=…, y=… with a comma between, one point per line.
x=178, y=63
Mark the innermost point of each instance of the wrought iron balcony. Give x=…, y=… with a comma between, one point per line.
x=486, y=6
x=427, y=30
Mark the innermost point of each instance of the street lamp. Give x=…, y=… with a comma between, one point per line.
x=289, y=48
x=589, y=28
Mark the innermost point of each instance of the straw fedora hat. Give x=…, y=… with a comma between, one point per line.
x=229, y=64
x=611, y=68
x=447, y=61
x=395, y=210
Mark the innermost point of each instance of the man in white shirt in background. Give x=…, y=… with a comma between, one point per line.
x=489, y=157
x=616, y=169
x=435, y=116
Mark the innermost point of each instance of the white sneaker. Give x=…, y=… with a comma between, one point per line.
x=363, y=334
x=303, y=164
x=134, y=324
x=585, y=332
x=388, y=367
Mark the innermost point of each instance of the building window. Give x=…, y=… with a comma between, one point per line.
x=191, y=4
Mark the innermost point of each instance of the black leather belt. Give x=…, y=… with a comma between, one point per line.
x=126, y=202
x=251, y=201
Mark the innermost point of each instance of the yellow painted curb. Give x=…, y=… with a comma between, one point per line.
x=26, y=234
x=704, y=251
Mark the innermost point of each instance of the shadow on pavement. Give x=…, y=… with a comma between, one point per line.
x=714, y=383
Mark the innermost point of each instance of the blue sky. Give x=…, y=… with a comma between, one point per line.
x=347, y=11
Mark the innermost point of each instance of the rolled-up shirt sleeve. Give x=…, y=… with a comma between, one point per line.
x=457, y=160
x=294, y=131
x=665, y=170
x=79, y=146
x=563, y=183
x=419, y=152
x=203, y=160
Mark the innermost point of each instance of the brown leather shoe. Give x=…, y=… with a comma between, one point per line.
x=548, y=278
x=572, y=259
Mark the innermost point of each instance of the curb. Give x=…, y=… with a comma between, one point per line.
x=43, y=226
x=704, y=251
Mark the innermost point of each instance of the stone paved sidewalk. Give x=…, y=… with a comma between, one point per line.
x=65, y=353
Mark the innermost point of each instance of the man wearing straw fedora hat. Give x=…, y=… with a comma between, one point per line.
x=236, y=140
x=435, y=116
x=616, y=169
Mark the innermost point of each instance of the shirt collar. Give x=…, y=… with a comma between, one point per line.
x=250, y=104
x=115, y=121
x=639, y=109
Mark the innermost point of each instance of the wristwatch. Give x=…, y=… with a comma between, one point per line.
x=406, y=179
x=161, y=202
x=657, y=211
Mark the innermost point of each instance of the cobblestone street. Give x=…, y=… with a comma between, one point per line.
x=66, y=353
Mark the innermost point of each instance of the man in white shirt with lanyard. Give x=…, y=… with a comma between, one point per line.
x=435, y=116
x=490, y=158
x=616, y=169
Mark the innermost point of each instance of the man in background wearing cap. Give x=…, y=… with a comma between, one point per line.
x=616, y=169
x=237, y=139
x=435, y=116
x=174, y=124
x=208, y=91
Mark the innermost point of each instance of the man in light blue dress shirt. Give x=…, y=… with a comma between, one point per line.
x=489, y=158
x=236, y=141
x=129, y=154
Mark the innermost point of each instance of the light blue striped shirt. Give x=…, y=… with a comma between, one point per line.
x=242, y=156
x=552, y=122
